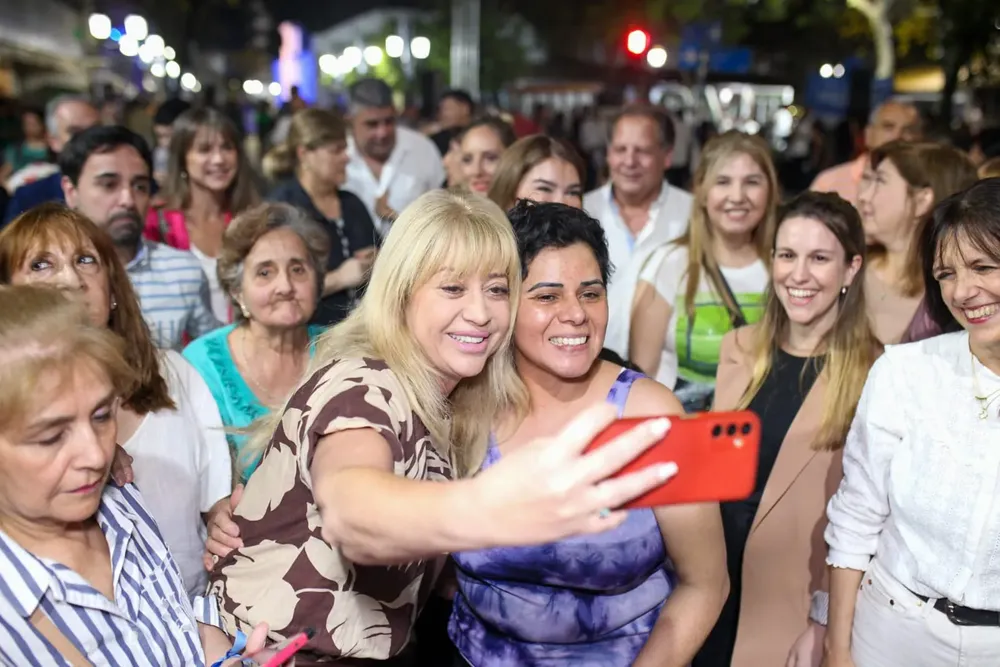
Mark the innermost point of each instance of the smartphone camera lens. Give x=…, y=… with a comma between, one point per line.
x=716, y=431
x=731, y=430
x=746, y=429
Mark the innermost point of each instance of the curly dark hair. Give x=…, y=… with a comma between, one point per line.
x=538, y=226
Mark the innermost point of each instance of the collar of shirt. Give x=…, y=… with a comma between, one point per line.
x=652, y=215
x=38, y=576
x=388, y=169
x=141, y=259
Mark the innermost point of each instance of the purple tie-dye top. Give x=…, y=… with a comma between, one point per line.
x=588, y=601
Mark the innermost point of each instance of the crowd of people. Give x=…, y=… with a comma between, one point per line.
x=352, y=392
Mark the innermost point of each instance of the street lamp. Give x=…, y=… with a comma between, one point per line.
x=657, y=57
x=839, y=71
x=158, y=70
x=420, y=47
x=100, y=26
x=169, y=53
x=274, y=88
x=328, y=64
x=189, y=81
x=128, y=46
x=826, y=71
x=172, y=69
x=373, y=55
x=147, y=53
x=135, y=26
x=394, y=46
x=155, y=44
x=351, y=58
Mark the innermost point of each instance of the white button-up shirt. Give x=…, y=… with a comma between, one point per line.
x=921, y=487
x=150, y=623
x=668, y=220
x=414, y=167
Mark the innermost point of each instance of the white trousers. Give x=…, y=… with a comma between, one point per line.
x=895, y=628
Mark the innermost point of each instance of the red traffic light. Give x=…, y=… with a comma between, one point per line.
x=637, y=42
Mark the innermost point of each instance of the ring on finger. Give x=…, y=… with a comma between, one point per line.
x=604, y=513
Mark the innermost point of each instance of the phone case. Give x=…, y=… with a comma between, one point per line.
x=715, y=452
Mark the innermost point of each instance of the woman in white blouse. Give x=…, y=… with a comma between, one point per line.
x=914, y=530
x=694, y=290
x=168, y=422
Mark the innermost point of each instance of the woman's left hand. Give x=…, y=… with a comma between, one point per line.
x=121, y=467
x=807, y=651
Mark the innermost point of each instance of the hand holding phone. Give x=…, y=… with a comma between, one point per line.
x=716, y=455
x=286, y=650
x=281, y=654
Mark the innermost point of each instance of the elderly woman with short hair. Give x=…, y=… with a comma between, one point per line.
x=95, y=582
x=271, y=266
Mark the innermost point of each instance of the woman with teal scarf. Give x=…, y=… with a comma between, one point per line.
x=271, y=266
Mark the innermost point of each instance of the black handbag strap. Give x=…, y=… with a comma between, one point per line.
x=736, y=316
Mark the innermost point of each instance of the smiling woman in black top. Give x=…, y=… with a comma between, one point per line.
x=313, y=162
x=801, y=369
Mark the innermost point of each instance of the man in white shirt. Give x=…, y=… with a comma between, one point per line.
x=389, y=166
x=638, y=209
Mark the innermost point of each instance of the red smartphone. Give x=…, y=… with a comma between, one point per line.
x=715, y=453
x=287, y=649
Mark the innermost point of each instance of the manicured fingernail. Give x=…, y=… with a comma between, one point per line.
x=667, y=470
x=659, y=427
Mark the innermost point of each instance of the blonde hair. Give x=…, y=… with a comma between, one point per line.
x=42, y=331
x=464, y=233
x=945, y=170
x=698, y=238
x=850, y=347
x=309, y=129
x=989, y=169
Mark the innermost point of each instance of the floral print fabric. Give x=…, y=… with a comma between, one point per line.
x=289, y=577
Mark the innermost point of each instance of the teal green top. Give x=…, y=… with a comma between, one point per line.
x=20, y=156
x=239, y=407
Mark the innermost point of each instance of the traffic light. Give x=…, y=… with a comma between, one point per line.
x=637, y=42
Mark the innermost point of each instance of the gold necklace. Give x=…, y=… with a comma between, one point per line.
x=985, y=401
x=266, y=397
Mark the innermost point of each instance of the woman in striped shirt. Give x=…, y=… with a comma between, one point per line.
x=88, y=579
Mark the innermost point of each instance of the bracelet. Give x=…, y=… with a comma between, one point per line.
x=239, y=643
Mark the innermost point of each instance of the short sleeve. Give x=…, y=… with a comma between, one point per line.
x=668, y=276
x=352, y=394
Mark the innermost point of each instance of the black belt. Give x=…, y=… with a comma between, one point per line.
x=960, y=615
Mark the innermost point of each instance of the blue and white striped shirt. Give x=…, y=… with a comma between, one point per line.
x=173, y=294
x=150, y=623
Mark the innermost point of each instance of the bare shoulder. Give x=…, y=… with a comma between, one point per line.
x=649, y=397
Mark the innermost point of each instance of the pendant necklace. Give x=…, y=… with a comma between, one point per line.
x=985, y=400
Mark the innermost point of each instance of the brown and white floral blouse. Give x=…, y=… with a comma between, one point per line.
x=285, y=574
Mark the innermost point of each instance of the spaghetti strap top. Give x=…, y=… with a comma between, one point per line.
x=586, y=601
